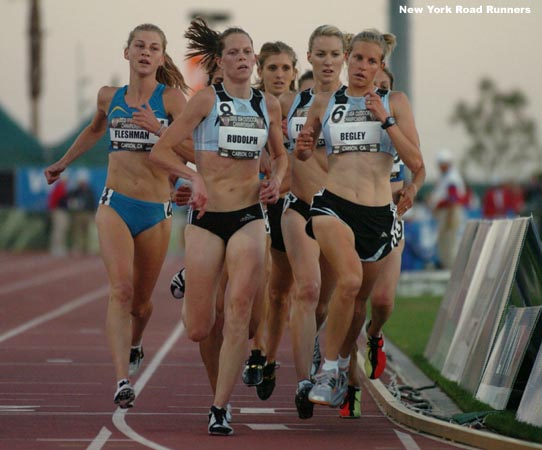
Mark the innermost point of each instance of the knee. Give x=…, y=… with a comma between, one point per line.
x=198, y=333
x=349, y=284
x=122, y=293
x=307, y=292
x=381, y=299
x=198, y=327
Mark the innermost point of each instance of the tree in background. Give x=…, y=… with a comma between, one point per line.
x=502, y=138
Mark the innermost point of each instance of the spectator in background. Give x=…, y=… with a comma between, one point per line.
x=533, y=199
x=447, y=201
x=82, y=206
x=502, y=199
x=60, y=220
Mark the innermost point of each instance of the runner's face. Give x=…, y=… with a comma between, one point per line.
x=277, y=74
x=382, y=81
x=327, y=58
x=145, y=52
x=238, y=59
x=364, y=62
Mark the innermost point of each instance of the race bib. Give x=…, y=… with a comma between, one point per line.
x=240, y=137
x=353, y=131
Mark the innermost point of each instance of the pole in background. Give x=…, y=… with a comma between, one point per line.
x=399, y=25
x=400, y=57
x=35, y=35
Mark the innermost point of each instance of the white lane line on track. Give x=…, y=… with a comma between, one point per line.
x=119, y=417
x=407, y=440
x=47, y=277
x=100, y=440
x=15, y=264
x=66, y=308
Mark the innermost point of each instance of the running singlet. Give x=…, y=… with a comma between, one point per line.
x=124, y=134
x=349, y=127
x=297, y=116
x=235, y=127
x=398, y=170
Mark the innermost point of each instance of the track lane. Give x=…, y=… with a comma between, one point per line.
x=57, y=385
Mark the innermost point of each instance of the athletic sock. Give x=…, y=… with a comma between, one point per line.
x=330, y=365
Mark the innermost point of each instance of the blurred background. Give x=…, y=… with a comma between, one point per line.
x=472, y=79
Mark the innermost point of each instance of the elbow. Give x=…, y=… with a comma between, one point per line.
x=154, y=157
x=417, y=165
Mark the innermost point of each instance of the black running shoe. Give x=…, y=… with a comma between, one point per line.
x=266, y=387
x=218, y=425
x=125, y=395
x=136, y=359
x=253, y=371
x=177, y=286
x=304, y=406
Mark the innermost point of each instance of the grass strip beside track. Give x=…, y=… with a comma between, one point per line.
x=409, y=328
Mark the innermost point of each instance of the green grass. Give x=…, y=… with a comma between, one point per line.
x=409, y=328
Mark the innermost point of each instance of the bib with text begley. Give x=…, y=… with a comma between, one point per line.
x=353, y=131
x=239, y=137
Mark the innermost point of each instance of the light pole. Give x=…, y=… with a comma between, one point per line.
x=400, y=58
x=35, y=35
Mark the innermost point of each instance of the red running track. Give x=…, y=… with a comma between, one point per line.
x=57, y=381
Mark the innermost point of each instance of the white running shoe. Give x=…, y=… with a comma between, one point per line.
x=329, y=389
x=125, y=395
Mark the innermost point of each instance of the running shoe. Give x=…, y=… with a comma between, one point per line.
x=304, y=406
x=351, y=406
x=266, y=387
x=125, y=395
x=136, y=359
x=316, y=357
x=375, y=362
x=330, y=388
x=178, y=285
x=218, y=425
x=253, y=371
